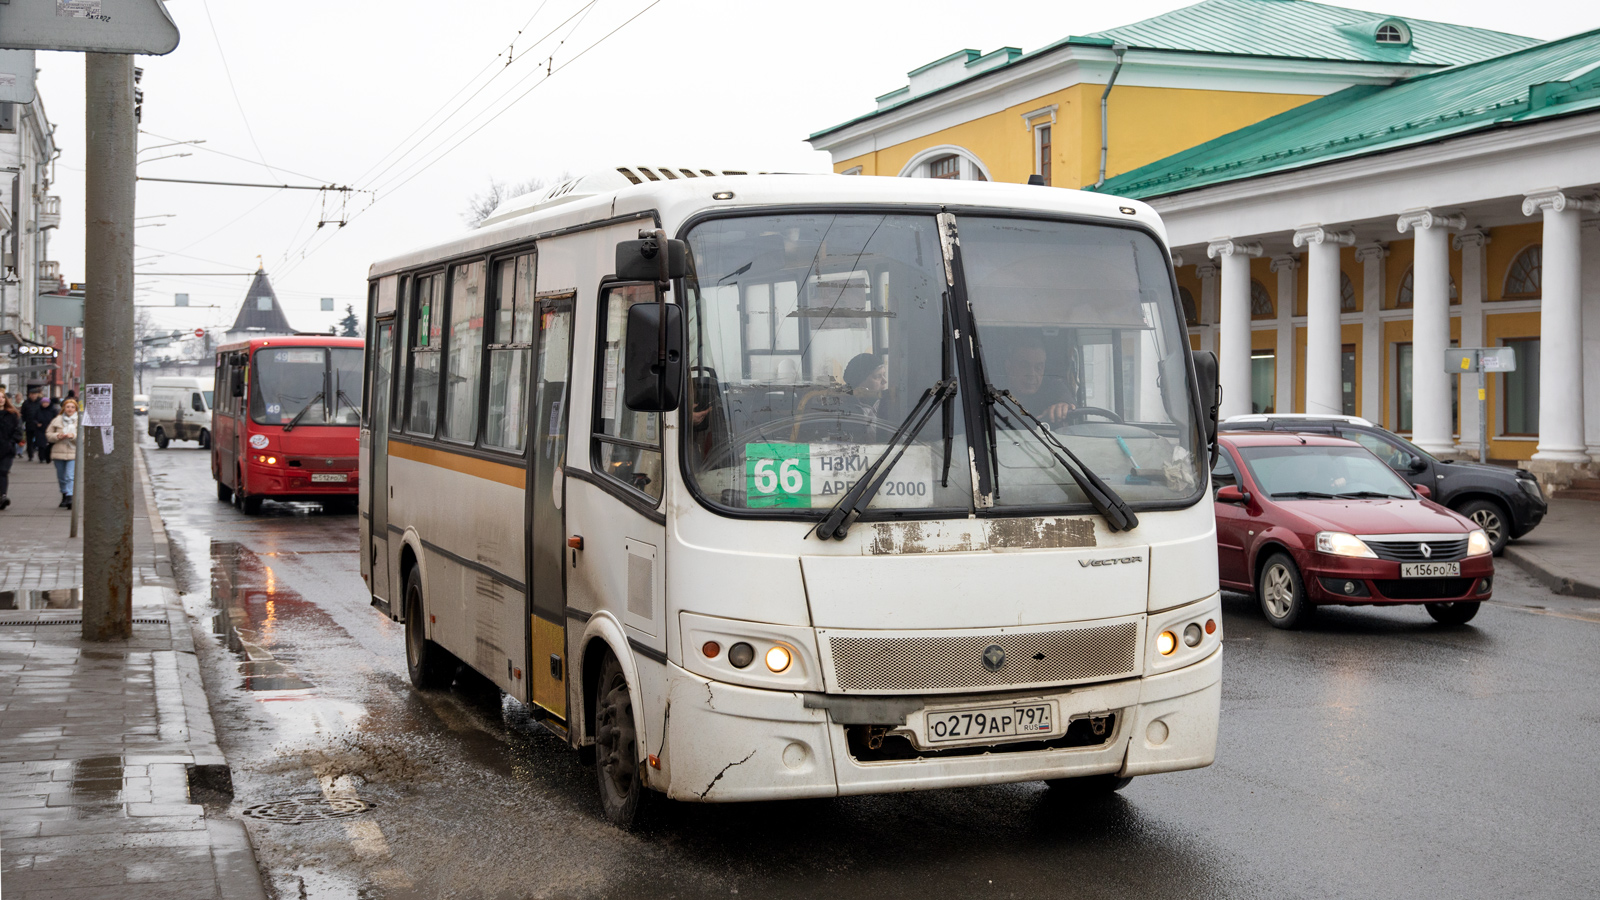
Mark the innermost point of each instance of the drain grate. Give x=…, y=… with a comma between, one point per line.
x=79, y=621
x=300, y=810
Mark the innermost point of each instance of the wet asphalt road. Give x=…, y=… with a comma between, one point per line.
x=1375, y=754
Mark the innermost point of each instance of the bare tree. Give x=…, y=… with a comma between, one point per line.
x=481, y=205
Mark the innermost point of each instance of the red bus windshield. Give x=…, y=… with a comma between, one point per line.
x=295, y=386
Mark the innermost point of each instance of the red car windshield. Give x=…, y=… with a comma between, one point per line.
x=1319, y=471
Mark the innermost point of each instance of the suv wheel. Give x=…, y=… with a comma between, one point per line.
x=1492, y=519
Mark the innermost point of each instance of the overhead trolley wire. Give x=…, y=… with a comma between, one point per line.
x=550, y=73
x=229, y=72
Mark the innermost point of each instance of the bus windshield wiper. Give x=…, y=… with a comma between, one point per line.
x=1107, y=502
x=303, y=410
x=340, y=395
x=1304, y=495
x=837, y=520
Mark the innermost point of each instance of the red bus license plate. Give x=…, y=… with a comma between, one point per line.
x=335, y=477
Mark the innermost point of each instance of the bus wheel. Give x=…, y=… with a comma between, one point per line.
x=426, y=662
x=161, y=439
x=205, y=439
x=1090, y=786
x=224, y=493
x=251, y=506
x=616, y=757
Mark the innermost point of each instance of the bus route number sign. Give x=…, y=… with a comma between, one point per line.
x=815, y=476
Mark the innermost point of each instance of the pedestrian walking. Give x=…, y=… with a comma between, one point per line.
x=30, y=413
x=63, y=437
x=43, y=415
x=12, y=435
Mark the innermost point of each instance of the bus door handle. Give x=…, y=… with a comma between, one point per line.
x=575, y=543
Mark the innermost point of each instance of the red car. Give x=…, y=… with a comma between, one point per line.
x=1307, y=520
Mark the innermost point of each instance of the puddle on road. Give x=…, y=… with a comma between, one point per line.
x=60, y=598
x=251, y=606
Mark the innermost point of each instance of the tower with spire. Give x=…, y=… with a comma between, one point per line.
x=260, y=316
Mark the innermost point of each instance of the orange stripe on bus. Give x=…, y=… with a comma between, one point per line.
x=456, y=462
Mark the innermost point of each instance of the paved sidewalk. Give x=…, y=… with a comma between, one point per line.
x=1564, y=551
x=107, y=751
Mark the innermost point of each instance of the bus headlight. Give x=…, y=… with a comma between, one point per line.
x=1337, y=543
x=1166, y=642
x=1478, y=543
x=778, y=658
x=741, y=655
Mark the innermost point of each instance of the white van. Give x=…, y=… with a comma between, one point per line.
x=180, y=410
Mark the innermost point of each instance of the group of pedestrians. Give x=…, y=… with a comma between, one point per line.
x=42, y=427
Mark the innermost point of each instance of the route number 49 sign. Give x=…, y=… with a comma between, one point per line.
x=814, y=476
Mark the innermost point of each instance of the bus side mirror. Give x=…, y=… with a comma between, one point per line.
x=652, y=384
x=236, y=385
x=1205, y=372
x=641, y=260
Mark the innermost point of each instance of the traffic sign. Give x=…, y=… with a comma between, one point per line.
x=200, y=332
x=16, y=76
x=91, y=26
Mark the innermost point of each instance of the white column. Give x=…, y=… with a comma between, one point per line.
x=1233, y=323
x=1373, y=286
x=1430, y=328
x=1560, y=328
x=1474, y=291
x=1323, y=342
x=1288, y=288
x=1208, y=306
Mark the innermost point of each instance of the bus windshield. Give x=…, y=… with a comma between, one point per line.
x=306, y=386
x=812, y=336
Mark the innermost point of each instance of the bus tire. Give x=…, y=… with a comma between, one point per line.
x=616, y=756
x=1089, y=786
x=205, y=439
x=161, y=438
x=428, y=664
x=250, y=506
x=224, y=493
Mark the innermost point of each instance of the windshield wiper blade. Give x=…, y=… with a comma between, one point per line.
x=837, y=520
x=303, y=410
x=1304, y=495
x=1367, y=495
x=341, y=395
x=1107, y=502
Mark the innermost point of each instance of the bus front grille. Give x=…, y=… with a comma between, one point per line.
x=934, y=663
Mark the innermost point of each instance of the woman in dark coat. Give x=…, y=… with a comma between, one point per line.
x=12, y=435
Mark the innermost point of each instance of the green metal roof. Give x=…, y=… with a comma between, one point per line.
x=1295, y=29
x=1304, y=30
x=1557, y=78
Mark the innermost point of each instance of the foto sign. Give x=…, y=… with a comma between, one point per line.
x=91, y=26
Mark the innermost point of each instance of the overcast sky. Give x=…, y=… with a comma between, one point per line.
x=325, y=92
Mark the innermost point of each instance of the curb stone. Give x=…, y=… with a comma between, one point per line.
x=1551, y=575
x=238, y=873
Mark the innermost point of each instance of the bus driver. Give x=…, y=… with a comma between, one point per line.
x=1047, y=397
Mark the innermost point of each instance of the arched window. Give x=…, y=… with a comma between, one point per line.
x=1191, y=313
x=1260, y=301
x=946, y=161
x=1392, y=32
x=1525, y=278
x=1347, y=294
x=1405, y=298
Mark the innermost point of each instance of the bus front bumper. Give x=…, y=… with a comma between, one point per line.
x=725, y=743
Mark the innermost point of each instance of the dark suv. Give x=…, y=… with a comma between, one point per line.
x=1506, y=503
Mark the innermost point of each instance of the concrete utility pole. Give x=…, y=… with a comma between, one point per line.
x=108, y=346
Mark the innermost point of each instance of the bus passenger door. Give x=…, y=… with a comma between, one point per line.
x=547, y=536
x=375, y=475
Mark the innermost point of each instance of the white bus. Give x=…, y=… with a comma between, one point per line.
x=770, y=486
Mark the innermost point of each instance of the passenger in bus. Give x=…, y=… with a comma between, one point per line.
x=867, y=377
x=1048, y=397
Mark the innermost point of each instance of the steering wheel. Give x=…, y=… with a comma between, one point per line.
x=781, y=430
x=1077, y=415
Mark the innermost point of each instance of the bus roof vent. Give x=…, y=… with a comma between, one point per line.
x=600, y=182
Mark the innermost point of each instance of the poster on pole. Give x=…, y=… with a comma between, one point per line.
x=97, y=405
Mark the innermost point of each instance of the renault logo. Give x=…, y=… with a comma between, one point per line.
x=1427, y=552
x=994, y=658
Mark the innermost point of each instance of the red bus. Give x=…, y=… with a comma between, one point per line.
x=287, y=421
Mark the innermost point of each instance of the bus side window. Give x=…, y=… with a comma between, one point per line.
x=510, y=355
x=422, y=356
x=465, y=353
x=627, y=443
